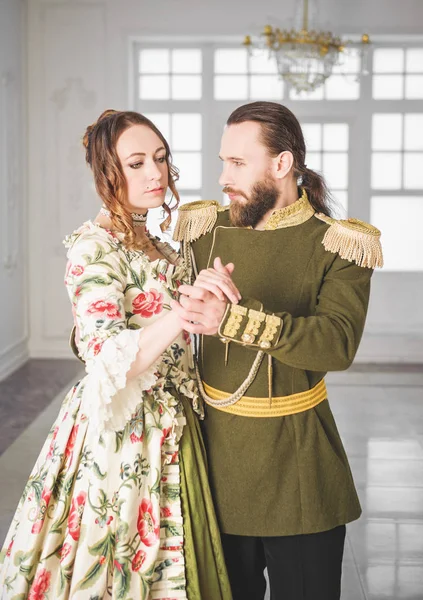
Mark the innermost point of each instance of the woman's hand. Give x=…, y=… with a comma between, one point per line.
x=201, y=306
x=218, y=281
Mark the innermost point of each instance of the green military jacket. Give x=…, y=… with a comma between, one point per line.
x=284, y=475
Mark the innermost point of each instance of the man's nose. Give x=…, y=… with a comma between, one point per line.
x=224, y=178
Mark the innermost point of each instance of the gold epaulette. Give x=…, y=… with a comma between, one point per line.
x=196, y=219
x=354, y=240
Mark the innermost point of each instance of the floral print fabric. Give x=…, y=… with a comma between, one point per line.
x=100, y=516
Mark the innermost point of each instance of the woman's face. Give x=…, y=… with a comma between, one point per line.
x=143, y=159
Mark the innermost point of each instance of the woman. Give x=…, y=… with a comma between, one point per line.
x=118, y=503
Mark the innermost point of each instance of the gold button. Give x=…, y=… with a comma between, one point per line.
x=265, y=345
x=247, y=338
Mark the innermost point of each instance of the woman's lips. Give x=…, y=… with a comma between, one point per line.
x=156, y=191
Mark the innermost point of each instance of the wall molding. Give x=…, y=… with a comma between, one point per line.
x=50, y=349
x=13, y=357
x=9, y=189
x=65, y=93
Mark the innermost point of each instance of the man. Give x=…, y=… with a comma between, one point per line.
x=282, y=485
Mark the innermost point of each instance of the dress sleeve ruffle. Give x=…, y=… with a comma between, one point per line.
x=187, y=385
x=108, y=397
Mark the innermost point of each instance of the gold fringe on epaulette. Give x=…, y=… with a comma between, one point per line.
x=354, y=241
x=195, y=219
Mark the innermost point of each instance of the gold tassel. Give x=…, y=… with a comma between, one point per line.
x=354, y=240
x=270, y=378
x=195, y=219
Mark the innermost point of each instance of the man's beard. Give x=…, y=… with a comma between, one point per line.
x=262, y=199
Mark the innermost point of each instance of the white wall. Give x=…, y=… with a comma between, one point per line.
x=13, y=306
x=78, y=66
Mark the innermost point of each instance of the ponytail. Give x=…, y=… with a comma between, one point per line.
x=317, y=190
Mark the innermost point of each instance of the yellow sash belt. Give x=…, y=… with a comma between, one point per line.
x=249, y=406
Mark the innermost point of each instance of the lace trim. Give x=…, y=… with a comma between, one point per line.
x=108, y=398
x=185, y=384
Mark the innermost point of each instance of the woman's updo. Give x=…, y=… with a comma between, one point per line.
x=86, y=140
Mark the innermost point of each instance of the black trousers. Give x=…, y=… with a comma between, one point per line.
x=300, y=567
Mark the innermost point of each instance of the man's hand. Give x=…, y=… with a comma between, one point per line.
x=218, y=280
x=201, y=307
x=200, y=311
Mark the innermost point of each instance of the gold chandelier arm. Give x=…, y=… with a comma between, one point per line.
x=305, y=16
x=305, y=58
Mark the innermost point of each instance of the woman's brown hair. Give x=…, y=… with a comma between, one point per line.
x=281, y=132
x=100, y=141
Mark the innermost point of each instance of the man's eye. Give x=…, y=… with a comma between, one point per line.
x=136, y=165
x=237, y=163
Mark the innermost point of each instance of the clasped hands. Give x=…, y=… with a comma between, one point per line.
x=201, y=306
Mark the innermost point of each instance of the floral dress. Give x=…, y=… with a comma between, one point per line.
x=101, y=516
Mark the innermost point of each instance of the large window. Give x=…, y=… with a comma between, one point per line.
x=365, y=136
x=398, y=73
x=166, y=74
x=238, y=76
x=327, y=152
x=396, y=179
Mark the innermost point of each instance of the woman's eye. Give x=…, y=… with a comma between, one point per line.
x=162, y=159
x=136, y=165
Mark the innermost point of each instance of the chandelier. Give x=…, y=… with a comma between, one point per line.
x=305, y=58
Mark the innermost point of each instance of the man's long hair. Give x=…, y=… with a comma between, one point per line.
x=281, y=132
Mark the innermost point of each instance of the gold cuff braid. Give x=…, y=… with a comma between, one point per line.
x=236, y=314
x=266, y=328
x=273, y=324
x=255, y=320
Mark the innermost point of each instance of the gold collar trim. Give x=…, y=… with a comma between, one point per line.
x=294, y=214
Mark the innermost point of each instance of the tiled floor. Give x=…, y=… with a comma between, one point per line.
x=380, y=417
x=28, y=391
x=379, y=411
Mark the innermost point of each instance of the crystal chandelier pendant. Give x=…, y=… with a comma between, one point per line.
x=305, y=58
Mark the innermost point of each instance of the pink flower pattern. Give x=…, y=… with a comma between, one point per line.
x=148, y=304
x=75, y=515
x=148, y=526
x=103, y=308
x=40, y=585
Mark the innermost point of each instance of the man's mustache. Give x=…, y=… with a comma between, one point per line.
x=229, y=190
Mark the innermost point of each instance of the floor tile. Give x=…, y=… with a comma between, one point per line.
x=394, y=502
x=351, y=587
x=27, y=391
x=396, y=582
x=378, y=541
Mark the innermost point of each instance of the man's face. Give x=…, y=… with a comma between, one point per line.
x=247, y=174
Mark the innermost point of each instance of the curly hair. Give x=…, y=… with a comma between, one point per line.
x=100, y=141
